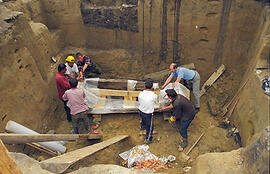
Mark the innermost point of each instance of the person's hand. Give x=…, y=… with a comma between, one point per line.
x=162, y=109
x=173, y=85
x=162, y=87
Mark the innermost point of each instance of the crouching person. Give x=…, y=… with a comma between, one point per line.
x=78, y=109
x=147, y=99
x=183, y=113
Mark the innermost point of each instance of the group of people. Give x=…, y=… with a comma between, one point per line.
x=182, y=110
x=67, y=78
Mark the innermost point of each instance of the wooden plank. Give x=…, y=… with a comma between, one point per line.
x=61, y=163
x=212, y=79
x=118, y=84
x=7, y=164
x=28, y=138
x=111, y=92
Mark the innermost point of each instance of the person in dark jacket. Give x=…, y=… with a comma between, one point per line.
x=86, y=66
x=183, y=112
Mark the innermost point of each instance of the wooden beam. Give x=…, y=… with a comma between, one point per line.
x=61, y=163
x=212, y=79
x=7, y=164
x=117, y=84
x=28, y=138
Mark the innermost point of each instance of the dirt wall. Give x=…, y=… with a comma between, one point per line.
x=205, y=32
x=252, y=111
x=27, y=86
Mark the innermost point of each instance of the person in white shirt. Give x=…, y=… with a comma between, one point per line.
x=147, y=100
x=72, y=69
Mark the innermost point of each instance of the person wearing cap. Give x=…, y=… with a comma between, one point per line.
x=62, y=85
x=86, y=66
x=190, y=76
x=72, y=69
x=183, y=112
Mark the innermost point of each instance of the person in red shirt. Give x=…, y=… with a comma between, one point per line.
x=62, y=85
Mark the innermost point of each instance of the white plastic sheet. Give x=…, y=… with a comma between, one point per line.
x=141, y=153
x=114, y=105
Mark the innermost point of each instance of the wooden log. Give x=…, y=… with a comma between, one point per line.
x=118, y=84
x=7, y=164
x=212, y=79
x=61, y=163
x=28, y=138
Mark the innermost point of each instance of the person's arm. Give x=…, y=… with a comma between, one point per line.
x=87, y=62
x=83, y=95
x=167, y=82
x=65, y=83
x=166, y=108
x=70, y=76
x=84, y=67
x=78, y=76
x=81, y=74
x=178, y=80
x=64, y=97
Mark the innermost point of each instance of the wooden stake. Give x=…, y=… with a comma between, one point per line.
x=212, y=79
x=7, y=164
x=41, y=148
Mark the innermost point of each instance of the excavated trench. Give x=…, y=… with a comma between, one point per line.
x=129, y=39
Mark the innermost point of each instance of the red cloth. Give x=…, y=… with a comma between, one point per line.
x=62, y=84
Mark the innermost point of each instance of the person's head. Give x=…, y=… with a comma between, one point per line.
x=70, y=60
x=148, y=84
x=73, y=83
x=62, y=68
x=171, y=93
x=173, y=67
x=79, y=56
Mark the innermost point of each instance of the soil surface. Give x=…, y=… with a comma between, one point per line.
x=166, y=140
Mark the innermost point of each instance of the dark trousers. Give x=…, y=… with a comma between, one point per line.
x=67, y=109
x=183, y=126
x=147, y=123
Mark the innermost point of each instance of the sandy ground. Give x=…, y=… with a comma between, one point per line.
x=166, y=140
x=214, y=140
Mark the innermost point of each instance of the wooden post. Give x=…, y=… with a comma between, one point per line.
x=7, y=164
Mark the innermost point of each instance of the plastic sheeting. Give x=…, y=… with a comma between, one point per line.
x=131, y=84
x=117, y=104
x=140, y=153
x=17, y=128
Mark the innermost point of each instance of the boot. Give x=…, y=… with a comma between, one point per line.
x=184, y=143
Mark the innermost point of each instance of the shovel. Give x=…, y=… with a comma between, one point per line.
x=185, y=156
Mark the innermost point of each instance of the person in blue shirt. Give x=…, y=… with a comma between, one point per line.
x=189, y=75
